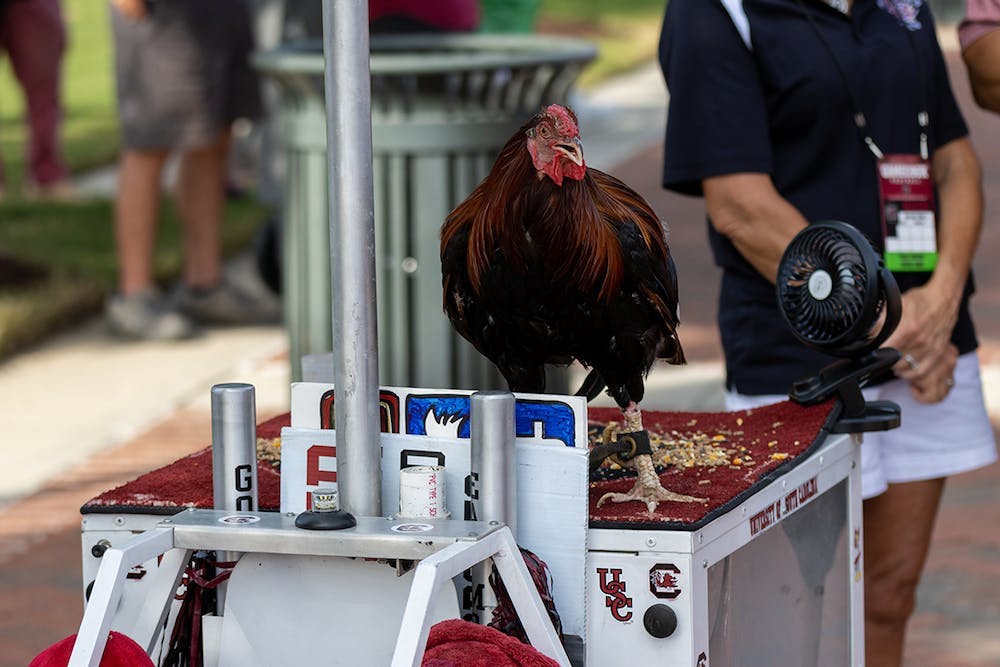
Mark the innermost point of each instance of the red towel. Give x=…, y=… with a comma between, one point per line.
x=120, y=651
x=458, y=643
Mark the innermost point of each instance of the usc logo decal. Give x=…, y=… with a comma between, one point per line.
x=614, y=590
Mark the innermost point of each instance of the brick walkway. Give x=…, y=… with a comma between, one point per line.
x=958, y=613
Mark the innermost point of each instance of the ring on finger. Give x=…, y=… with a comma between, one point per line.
x=950, y=382
x=910, y=361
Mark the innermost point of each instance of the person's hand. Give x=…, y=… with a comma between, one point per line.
x=934, y=385
x=923, y=337
x=134, y=9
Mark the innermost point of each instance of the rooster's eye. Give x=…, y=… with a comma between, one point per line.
x=544, y=131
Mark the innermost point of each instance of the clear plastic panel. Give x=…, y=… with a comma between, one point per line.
x=783, y=600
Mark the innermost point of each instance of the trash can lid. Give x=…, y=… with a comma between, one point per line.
x=438, y=53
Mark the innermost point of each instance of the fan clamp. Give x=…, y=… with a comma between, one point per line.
x=837, y=297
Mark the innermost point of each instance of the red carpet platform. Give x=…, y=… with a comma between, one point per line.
x=187, y=482
x=722, y=457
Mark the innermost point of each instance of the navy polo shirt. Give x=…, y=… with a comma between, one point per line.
x=782, y=107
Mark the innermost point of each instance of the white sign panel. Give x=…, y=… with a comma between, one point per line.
x=431, y=427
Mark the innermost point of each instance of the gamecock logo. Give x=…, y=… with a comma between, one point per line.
x=663, y=581
x=614, y=589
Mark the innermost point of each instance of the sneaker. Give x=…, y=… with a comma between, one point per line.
x=146, y=315
x=225, y=304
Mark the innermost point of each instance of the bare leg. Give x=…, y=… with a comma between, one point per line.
x=898, y=526
x=200, y=199
x=137, y=205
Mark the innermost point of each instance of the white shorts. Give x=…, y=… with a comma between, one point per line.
x=934, y=440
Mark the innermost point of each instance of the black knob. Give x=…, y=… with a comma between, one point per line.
x=660, y=621
x=325, y=520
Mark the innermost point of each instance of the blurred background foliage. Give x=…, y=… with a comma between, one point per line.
x=625, y=32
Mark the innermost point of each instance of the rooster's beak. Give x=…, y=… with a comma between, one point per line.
x=573, y=150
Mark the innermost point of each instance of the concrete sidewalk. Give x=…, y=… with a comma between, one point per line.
x=84, y=413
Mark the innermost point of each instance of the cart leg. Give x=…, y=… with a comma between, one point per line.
x=107, y=591
x=856, y=547
x=449, y=563
x=161, y=595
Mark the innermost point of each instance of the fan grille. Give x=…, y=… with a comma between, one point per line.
x=839, y=314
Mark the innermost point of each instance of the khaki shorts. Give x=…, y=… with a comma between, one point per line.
x=933, y=441
x=183, y=73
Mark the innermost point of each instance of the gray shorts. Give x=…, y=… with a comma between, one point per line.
x=183, y=73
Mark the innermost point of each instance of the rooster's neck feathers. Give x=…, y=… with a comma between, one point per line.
x=571, y=227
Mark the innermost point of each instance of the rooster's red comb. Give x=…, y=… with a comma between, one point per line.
x=565, y=120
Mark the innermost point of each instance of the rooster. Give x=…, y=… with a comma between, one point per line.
x=548, y=261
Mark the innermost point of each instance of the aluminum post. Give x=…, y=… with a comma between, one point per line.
x=234, y=458
x=352, y=253
x=493, y=481
x=234, y=447
x=494, y=465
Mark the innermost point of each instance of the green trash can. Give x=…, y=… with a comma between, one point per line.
x=442, y=108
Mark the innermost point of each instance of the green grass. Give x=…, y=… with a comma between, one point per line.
x=90, y=126
x=75, y=243
x=626, y=32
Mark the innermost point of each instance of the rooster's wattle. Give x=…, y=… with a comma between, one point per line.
x=548, y=261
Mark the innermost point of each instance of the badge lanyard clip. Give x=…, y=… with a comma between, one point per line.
x=859, y=120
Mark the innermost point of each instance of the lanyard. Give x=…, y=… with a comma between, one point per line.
x=923, y=118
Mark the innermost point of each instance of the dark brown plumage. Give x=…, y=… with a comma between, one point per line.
x=548, y=261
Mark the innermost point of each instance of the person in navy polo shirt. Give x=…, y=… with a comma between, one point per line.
x=786, y=112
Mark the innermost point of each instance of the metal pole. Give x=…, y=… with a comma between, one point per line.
x=352, y=253
x=493, y=472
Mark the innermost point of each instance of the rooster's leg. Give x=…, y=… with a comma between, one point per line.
x=647, y=487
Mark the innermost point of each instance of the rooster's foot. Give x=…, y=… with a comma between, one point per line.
x=648, y=489
x=652, y=497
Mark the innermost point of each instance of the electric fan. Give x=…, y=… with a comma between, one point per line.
x=837, y=296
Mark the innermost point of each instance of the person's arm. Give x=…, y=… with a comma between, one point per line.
x=930, y=311
x=748, y=210
x=982, y=60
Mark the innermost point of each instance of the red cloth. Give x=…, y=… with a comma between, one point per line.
x=120, y=651
x=458, y=643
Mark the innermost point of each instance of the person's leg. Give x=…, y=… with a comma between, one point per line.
x=204, y=295
x=36, y=40
x=200, y=200
x=138, y=310
x=137, y=206
x=897, y=532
